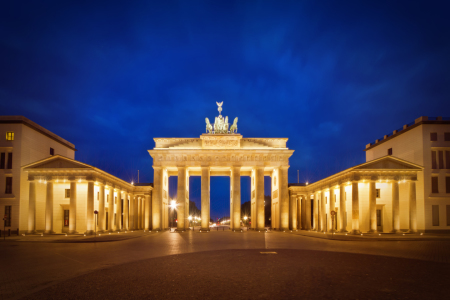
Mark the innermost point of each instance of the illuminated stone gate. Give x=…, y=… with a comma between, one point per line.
x=221, y=152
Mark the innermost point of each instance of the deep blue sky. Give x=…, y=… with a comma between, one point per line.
x=331, y=76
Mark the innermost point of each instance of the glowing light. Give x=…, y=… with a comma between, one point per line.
x=190, y=218
x=79, y=180
x=132, y=182
x=173, y=204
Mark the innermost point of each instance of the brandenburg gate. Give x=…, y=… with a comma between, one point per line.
x=221, y=152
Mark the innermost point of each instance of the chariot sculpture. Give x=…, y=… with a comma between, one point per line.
x=221, y=124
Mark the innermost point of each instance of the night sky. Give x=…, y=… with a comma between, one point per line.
x=332, y=76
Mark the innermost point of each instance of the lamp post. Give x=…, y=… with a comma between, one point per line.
x=95, y=221
x=173, y=206
x=190, y=218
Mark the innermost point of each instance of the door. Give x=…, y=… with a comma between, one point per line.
x=379, y=220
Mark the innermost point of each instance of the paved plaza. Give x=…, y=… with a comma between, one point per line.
x=224, y=264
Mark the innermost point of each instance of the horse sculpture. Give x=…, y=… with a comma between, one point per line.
x=233, y=128
x=208, y=126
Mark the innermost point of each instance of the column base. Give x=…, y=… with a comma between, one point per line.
x=49, y=232
x=411, y=231
x=72, y=232
x=89, y=232
x=355, y=232
x=372, y=231
x=395, y=231
x=31, y=232
x=342, y=231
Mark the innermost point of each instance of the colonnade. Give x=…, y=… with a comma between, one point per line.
x=257, y=197
x=300, y=212
x=136, y=208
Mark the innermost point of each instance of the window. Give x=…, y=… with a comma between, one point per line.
x=435, y=212
x=10, y=136
x=390, y=151
x=433, y=136
x=9, y=166
x=433, y=160
x=447, y=159
x=447, y=185
x=447, y=136
x=52, y=151
x=378, y=193
x=434, y=185
x=8, y=215
x=67, y=193
x=448, y=215
x=2, y=160
x=8, y=187
x=66, y=217
x=441, y=159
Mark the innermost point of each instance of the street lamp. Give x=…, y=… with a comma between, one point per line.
x=245, y=218
x=173, y=206
x=190, y=218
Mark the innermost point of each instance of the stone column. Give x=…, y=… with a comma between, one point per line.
x=111, y=209
x=323, y=209
x=293, y=213
x=73, y=207
x=308, y=211
x=32, y=207
x=148, y=211
x=157, y=199
x=236, y=188
x=284, y=197
x=181, y=199
x=412, y=207
x=259, y=186
x=101, y=209
x=316, y=211
x=49, y=208
x=332, y=208
x=355, y=208
x=132, y=217
x=372, y=207
x=205, y=200
x=119, y=210
x=138, y=213
x=299, y=212
x=125, y=210
x=142, y=212
x=342, y=209
x=395, y=207
x=90, y=208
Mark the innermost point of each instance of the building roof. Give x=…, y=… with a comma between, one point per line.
x=38, y=128
x=419, y=121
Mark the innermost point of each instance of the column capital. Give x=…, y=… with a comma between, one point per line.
x=284, y=167
x=156, y=167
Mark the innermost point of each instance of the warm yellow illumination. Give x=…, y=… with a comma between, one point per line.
x=10, y=136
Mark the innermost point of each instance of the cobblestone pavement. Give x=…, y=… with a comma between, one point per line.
x=29, y=265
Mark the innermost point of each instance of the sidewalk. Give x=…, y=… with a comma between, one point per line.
x=78, y=238
x=373, y=236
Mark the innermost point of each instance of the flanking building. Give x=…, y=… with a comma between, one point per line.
x=44, y=189
x=404, y=186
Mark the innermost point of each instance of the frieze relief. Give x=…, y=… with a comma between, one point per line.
x=223, y=158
